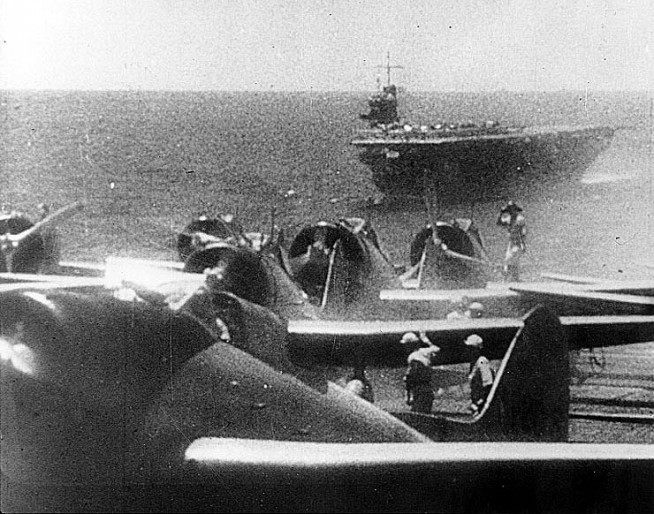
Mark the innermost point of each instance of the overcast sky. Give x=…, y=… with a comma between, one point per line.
x=318, y=45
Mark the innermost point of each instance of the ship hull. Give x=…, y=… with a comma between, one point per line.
x=408, y=166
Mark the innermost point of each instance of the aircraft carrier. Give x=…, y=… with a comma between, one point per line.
x=410, y=160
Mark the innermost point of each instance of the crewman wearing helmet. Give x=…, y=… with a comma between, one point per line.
x=417, y=380
x=481, y=374
x=512, y=218
x=359, y=385
x=475, y=310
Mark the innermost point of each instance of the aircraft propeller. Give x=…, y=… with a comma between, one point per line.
x=10, y=244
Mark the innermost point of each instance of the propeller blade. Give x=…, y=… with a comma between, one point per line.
x=60, y=215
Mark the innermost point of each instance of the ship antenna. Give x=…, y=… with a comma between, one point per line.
x=389, y=67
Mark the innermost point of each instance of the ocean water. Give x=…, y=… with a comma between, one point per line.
x=145, y=163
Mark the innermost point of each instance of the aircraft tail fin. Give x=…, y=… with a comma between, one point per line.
x=530, y=398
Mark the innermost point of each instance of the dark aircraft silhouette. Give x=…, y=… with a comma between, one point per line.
x=451, y=257
x=22, y=248
x=30, y=254
x=345, y=275
x=21, y=245
x=113, y=402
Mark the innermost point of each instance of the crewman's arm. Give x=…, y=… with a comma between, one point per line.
x=473, y=370
x=424, y=339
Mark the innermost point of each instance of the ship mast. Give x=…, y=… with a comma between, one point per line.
x=388, y=68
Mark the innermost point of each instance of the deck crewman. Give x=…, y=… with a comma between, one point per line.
x=475, y=311
x=459, y=308
x=481, y=374
x=418, y=376
x=512, y=218
x=359, y=385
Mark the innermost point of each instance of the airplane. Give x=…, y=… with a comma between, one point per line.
x=21, y=244
x=355, y=270
x=136, y=402
x=359, y=281
x=356, y=277
x=357, y=265
x=354, y=282
x=451, y=257
x=123, y=404
x=453, y=264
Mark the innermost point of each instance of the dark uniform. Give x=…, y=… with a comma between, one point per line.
x=359, y=385
x=417, y=379
x=512, y=218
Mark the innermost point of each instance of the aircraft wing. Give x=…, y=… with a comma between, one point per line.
x=565, y=286
x=377, y=342
x=9, y=277
x=600, y=331
x=22, y=286
x=597, y=297
x=163, y=280
x=22, y=281
x=496, y=291
x=214, y=452
x=463, y=477
x=573, y=279
x=95, y=268
x=641, y=287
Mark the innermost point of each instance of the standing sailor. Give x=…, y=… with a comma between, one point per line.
x=459, y=308
x=512, y=218
x=480, y=376
x=359, y=385
x=417, y=380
